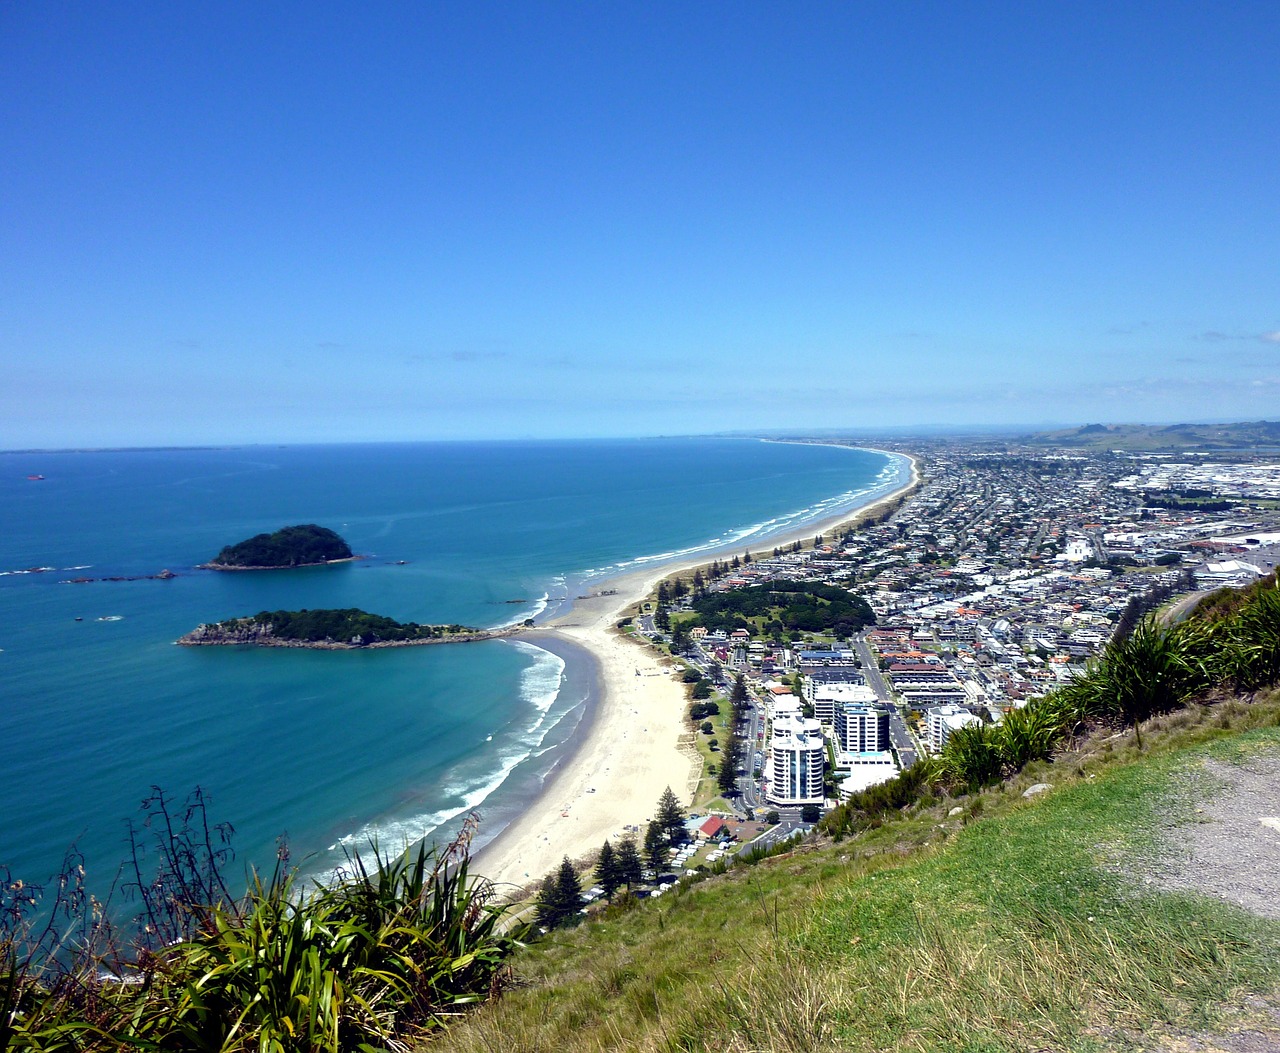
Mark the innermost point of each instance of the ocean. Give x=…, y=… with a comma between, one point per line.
x=330, y=750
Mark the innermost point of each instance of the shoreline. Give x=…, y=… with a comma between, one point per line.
x=479, y=636
x=287, y=566
x=628, y=747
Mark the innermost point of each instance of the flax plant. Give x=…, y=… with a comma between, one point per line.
x=1155, y=669
x=370, y=962
x=1251, y=657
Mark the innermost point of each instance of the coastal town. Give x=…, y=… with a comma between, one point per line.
x=997, y=578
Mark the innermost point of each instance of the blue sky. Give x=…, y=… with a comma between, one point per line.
x=312, y=222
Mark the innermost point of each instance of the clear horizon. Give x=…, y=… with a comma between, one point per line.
x=310, y=224
x=902, y=432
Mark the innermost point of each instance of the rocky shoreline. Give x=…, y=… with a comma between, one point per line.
x=219, y=636
x=279, y=566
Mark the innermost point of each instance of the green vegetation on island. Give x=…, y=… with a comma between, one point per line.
x=293, y=546
x=346, y=627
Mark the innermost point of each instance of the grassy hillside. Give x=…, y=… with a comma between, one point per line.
x=1014, y=924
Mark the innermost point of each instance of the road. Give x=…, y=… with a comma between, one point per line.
x=903, y=744
x=748, y=787
x=871, y=669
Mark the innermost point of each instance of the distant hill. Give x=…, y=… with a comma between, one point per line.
x=293, y=546
x=1163, y=438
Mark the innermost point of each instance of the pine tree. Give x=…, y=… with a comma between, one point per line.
x=670, y=816
x=697, y=581
x=548, y=908
x=561, y=896
x=727, y=777
x=655, y=845
x=608, y=871
x=630, y=869
x=568, y=890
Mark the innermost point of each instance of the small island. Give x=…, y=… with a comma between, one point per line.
x=331, y=630
x=307, y=545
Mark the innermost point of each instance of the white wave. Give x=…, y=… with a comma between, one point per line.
x=539, y=605
x=761, y=531
x=540, y=682
x=539, y=686
x=396, y=834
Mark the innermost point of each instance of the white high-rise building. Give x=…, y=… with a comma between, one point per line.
x=861, y=728
x=797, y=758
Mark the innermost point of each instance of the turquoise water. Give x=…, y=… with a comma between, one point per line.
x=331, y=748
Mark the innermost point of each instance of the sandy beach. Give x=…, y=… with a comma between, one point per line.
x=632, y=748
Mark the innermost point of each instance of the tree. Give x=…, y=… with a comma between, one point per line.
x=655, y=845
x=662, y=619
x=738, y=696
x=630, y=869
x=608, y=870
x=670, y=818
x=561, y=896
x=727, y=777
x=810, y=813
x=680, y=637
x=772, y=818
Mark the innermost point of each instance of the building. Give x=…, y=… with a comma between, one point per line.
x=943, y=720
x=861, y=728
x=827, y=699
x=862, y=747
x=797, y=758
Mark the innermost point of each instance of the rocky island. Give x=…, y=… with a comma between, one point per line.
x=331, y=630
x=307, y=545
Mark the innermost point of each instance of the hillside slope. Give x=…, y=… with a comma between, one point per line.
x=1015, y=924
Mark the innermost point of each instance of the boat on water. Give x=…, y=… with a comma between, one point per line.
x=35, y=478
